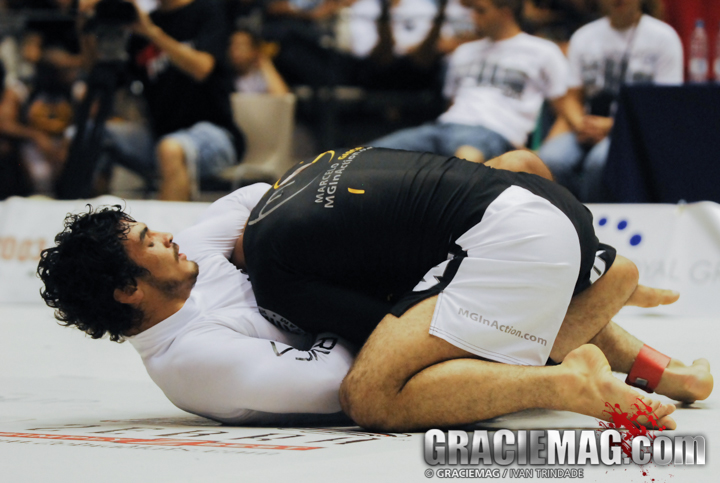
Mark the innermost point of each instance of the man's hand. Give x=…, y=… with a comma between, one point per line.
x=594, y=129
x=144, y=25
x=195, y=63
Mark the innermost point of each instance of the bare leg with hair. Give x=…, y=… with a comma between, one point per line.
x=590, y=313
x=589, y=320
x=405, y=379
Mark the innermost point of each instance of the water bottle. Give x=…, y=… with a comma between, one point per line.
x=716, y=66
x=699, y=53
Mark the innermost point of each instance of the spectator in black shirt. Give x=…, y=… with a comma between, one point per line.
x=177, y=53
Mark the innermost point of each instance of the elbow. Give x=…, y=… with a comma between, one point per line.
x=201, y=73
x=202, y=68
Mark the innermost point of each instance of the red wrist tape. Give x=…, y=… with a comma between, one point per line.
x=647, y=369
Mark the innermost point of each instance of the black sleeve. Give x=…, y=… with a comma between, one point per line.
x=316, y=306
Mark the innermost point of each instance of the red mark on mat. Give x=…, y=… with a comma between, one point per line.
x=629, y=422
x=622, y=420
x=157, y=441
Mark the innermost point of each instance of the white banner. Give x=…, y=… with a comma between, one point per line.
x=674, y=246
x=27, y=226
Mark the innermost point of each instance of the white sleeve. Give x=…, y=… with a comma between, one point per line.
x=574, y=78
x=555, y=73
x=670, y=62
x=451, y=77
x=242, y=375
x=219, y=227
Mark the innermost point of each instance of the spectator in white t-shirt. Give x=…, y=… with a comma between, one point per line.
x=497, y=86
x=625, y=47
x=253, y=70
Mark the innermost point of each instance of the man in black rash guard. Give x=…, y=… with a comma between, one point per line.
x=364, y=227
x=444, y=261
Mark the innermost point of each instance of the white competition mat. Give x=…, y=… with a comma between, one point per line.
x=82, y=410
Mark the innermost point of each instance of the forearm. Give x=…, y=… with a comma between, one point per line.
x=197, y=64
x=570, y=107
x=276, y=84
x=10, y=127
x=18, y=131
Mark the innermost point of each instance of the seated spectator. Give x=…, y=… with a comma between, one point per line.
x=13, y=175
x=624, y=47
x=497, y=86
x=253, y=70
x=38, y=122
x=178, y=54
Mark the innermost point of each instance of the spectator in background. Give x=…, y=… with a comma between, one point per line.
x=37, y=124
x=254, y=71
x=624, y=47
x=178, y=53
x=497, y=86
x=13, y=175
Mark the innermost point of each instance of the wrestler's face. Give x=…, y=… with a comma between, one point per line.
x=170, y=270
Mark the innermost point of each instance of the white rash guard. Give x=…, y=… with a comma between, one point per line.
x=218, y=357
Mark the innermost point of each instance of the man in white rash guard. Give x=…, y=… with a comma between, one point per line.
x=196, y=325
x=195, y=321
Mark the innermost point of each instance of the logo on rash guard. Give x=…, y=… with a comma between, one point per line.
x=280, y=322
x=273, y=204
x=328, y=183
x=323, y=345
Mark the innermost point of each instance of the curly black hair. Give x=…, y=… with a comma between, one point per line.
x=83, y=269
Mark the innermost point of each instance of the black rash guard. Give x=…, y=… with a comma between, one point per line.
x=340, y=242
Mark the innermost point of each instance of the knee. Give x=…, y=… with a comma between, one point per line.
x=364, y=405
x=626, y=272
x=170, y=154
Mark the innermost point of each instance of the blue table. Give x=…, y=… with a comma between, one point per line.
x=665, y=145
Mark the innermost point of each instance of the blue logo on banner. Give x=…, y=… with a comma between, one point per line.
x=622, y=225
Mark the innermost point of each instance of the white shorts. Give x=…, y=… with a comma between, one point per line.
x=509, y=296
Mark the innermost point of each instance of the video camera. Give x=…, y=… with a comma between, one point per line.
x=111, y=26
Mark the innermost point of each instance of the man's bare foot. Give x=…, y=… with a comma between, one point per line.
x=593, y=385
x=652, y=297
x=686, y=383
